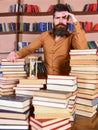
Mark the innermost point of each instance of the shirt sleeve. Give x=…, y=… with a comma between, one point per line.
x=31, y=47
x=79, y=40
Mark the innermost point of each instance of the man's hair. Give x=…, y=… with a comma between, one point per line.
x=59, y=8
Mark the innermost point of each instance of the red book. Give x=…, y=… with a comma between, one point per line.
x=44, y=124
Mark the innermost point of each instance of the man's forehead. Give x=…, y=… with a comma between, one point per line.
x=62, y=13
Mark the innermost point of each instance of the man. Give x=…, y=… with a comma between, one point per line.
x=56, y=43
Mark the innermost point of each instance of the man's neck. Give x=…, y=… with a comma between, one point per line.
x=57, y=38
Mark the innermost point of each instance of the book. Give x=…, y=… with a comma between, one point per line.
x=83, y=62
x=32, y=81
x=15, y=109
x=50, y=126
x=25, y=92
x=15, y=101
x=50, y=109
x=84, y=57
x=45, y=122
x=14, y=127
x=17, y=62
x=26, y=89
x=49, y=99
x=14, y=115
x=51, y=115
x=92, y=68
x=85, y=75
x=86, y=108
x=88, y=102
x=88, y=91
x=70, y=77
x=58, y=87
x=83, y=51
x=61, y=81
x=87, y=96
x=30, y=85
x=52, y=104
x=53, y=94
x=93, y=81
x=85, y=113
x=6, y=121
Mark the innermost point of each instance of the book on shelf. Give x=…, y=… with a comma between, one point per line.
x=88, y=91
x=32, y=81
x=86, y=108
x=14, y=115
x=53, y=94
x=85, y=113
x=58, y=87
x=92, y=45
x=7, y=93
x=88, y=102
x=51, y=126
x=15, y=101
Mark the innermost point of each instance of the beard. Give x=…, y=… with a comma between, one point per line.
x=60, y=30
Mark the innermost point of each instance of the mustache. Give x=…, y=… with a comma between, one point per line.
x=60, y=25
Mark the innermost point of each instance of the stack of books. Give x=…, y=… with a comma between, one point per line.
x=13, y=69
x=14, y=112
x=66, y=84
x=27, y=86
x=50, y=110
x=84, y=65
x=59, y=101
x=7, y=85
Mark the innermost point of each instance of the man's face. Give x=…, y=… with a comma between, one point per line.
x=60, y=23
x=60, y=18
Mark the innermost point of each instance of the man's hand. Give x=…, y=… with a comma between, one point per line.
x=71, y=17
x=12, y=56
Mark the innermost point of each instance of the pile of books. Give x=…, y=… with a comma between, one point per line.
x=7, y=85
x=14, y=112
x=84, y=65
x=28, y=85
x=13, y=69
x=55, y=108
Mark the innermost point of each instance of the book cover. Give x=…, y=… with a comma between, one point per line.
x=53, y=94
x=88, y=102
x=15, y=101
x=50, y=126
x=45, y=122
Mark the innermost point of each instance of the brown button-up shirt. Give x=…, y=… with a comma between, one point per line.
x=56, y=53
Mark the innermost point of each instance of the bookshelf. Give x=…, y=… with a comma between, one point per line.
x=90, y=16
x=9, y=39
